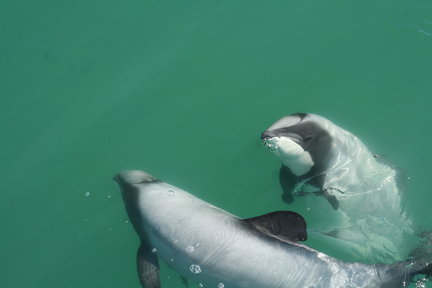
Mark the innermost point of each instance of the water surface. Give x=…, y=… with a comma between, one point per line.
x=183, y=91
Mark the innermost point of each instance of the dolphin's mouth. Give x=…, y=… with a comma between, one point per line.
x=271, y=143
x=270, y=137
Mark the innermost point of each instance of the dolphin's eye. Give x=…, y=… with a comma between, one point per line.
x=307, y=138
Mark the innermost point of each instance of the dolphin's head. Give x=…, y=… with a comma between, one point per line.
x=301, y=141
x=133, y=183
x=129, y=182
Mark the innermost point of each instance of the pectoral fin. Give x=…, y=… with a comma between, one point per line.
x=148, y=267
x=284, y=225
x=185, y=282
x=287, y=181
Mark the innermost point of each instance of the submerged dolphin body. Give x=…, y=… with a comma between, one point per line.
x=213, y=247
x=320, y=158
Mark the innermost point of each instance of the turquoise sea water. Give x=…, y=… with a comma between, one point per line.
x=183, y=89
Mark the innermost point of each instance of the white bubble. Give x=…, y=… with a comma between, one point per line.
x=221, y=285
x=421, y=283
x=195, y=269
x=171, y=193
x=200, y=285
x=109, y=196
x=154, y=250
x=190, y=249
x=127, y=221
x=87, y=194
x=409, y=266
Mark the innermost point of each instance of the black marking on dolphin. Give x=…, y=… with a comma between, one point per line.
x=316, y=141
x=210, y=246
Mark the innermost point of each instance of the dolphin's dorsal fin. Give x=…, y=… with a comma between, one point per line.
x=148, y=267
x=284, y=225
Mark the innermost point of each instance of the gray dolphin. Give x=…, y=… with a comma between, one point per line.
x=320, y=158
x=217, y=249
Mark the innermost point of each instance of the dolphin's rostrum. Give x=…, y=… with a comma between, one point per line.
x=213, y=247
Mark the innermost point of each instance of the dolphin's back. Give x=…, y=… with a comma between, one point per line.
x=212, y=246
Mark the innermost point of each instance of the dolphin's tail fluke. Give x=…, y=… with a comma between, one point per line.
x=402, y=273
x=422, y=255
x=422, y=266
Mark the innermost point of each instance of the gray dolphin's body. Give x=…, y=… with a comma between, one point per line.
x=215, y=248
x=321, y=157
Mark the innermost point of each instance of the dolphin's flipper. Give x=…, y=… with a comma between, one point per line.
x=185, y=281
x=424, y=247
x=284, y=225
x=288, y=182
x=148, y=267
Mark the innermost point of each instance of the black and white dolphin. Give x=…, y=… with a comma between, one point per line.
x=217, y=249
x=318, y=157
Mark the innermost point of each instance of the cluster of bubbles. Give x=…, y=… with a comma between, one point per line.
x=195, y=269
x=421, y=283
x=418, y=284
x=190, y=249
x=270, y=145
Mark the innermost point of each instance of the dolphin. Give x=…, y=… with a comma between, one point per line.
x=320, y=158
x=210, y=246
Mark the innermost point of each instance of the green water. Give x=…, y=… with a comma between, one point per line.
x=183, y=89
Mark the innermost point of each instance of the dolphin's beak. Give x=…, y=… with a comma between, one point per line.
x=266, y=135
x=133, y=177
x=268, y=139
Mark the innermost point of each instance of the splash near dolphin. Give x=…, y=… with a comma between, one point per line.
x=210, y=246
x=320, y=158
